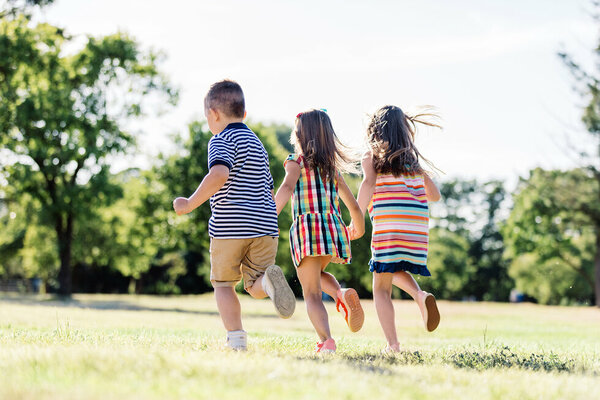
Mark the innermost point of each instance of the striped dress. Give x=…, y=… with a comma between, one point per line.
x=318, y=228
x=400, y=217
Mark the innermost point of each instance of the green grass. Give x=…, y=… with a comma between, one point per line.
x=125, y=347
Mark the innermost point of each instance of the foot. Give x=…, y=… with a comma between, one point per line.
x=390, y=350
x=349, y=303
x=237, y=340
x=279, y=291
x=429, y=310
x=326, y=347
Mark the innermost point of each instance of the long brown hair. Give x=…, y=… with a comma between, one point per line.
x=391, y=135
x=323, y=152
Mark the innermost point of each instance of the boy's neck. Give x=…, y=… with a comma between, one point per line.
x=228, y=121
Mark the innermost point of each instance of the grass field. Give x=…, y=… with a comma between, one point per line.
x=125, y=347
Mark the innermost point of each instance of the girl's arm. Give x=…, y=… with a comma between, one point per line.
x=358, y=218
x=292, y=173
x=431, y=190
x=367, y=187
x=212, y=182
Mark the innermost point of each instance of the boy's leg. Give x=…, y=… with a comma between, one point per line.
x=259, y=256
x=263, y=278
x=309, y=274
x=229, y=308
x=225, y=273
x=382, y=295
x=256, y=290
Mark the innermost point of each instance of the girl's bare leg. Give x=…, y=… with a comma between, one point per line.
x=382, y=294
x=329, y=284
x=309, y=274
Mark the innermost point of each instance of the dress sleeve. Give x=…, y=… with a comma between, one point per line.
x=295, y=158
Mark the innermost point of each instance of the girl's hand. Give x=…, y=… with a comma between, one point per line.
x=180, y=205
x=355, y=233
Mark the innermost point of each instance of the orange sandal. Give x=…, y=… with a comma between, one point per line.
x=354, y=315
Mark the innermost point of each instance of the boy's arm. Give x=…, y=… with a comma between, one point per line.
x=212, y=182
x=358, y=218
x=367, y=187
x=292, y=173
x=431, y=190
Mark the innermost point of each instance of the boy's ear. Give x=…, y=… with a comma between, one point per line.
x=245, y=113
x=215, y=113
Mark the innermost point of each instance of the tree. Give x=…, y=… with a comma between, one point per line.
x=473, y=211
x=21, y=7
x=449, y=263
x=588, y=85
x=548, y=232
x=61, y=119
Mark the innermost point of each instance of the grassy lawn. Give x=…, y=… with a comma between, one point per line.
x=126, y=347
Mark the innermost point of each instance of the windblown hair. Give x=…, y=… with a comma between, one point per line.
x=226, y=96
x=316, y=140
x=391, y=136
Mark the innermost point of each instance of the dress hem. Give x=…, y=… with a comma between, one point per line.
x=379, y=267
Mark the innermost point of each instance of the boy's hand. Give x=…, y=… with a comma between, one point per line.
x=355, y=233
x=180, y=205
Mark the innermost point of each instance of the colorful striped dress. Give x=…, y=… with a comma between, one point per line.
x=318, y=228
x=400, y=217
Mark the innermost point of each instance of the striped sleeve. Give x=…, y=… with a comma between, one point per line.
x=220, y=152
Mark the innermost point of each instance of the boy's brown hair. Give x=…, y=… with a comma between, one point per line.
x=323, y=152
x=226, y=96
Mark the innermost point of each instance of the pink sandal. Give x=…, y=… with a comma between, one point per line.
x=326, y=347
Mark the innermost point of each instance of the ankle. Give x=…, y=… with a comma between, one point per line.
x=266, y=286
x=395, y=346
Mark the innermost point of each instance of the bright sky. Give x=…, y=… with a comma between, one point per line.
x=490, y=68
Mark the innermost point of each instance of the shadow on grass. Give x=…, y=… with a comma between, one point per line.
x=501, y=358
x=114, y=305
x=372, y=362
x=506, y=358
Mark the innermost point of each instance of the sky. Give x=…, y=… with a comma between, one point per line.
x=490, y=68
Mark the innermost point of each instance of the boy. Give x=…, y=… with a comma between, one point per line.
x=243, y=226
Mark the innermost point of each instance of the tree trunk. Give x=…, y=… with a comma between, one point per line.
x=65, y=238
x=597, y=268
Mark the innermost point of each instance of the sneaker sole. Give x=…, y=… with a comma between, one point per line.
x=283, y=297
x=433, y=314
x=356, y=315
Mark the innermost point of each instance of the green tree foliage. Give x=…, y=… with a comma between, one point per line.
x=12, y=8
x=472, y=212
x=588, y=86
x=61, y=118
x=449, y=263
x=178, y=174
x=550, y=237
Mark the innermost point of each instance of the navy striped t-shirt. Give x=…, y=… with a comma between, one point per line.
x=244, y=206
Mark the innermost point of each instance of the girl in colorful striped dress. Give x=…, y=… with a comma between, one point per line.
x=396, y=190
x=318, y=235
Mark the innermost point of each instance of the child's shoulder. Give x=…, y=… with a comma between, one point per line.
x=297, y=158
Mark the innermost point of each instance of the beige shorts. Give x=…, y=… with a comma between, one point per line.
x=234, y=259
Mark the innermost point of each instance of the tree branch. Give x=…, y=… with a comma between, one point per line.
x=579, y=270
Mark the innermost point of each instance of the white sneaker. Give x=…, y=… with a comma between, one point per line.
x=237, y=340
x=275, y=285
